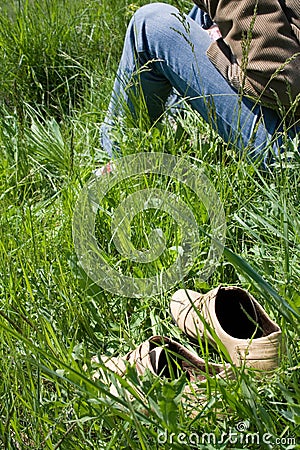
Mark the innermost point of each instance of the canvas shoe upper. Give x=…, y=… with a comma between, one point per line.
x=163, y=357
x=233, y=316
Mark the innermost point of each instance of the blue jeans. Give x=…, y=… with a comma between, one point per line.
x=166, y=50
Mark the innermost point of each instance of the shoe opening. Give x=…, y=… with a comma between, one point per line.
x=171, y=361
x=237, y=314
x=165, y=363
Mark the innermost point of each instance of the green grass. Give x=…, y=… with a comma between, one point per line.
x=58, y=62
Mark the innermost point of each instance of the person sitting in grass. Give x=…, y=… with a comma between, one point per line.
x=236, y=63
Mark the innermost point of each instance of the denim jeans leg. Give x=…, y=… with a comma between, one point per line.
x=172, y=47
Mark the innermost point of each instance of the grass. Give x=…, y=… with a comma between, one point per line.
x=58, y=62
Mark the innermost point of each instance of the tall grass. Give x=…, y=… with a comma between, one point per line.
x=58, y=62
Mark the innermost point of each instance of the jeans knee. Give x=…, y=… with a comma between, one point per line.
x=149, y=21
x=155, y=11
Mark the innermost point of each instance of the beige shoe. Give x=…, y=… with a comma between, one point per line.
x=233, y=316
x=165, y=358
